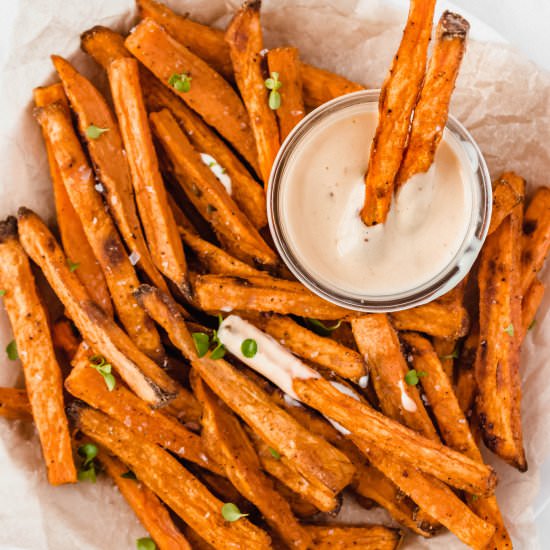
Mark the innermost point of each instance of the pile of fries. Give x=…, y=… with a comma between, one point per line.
x=156, y=247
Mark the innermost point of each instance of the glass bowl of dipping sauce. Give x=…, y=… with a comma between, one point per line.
x=434, y=230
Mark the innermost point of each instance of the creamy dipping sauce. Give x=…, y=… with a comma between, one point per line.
x=322, y=193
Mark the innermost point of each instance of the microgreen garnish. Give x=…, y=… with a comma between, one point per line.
x=129, y=475
x=474, y=497
x=180, y=82
x=275, y=454
x=146, y=543
x=94, y=132
x=453, y=355
x=87, y=471
x=320, y=328
x=231, y=512
x=73, y=266
x=202, y=343
x=530, y=327
x=11, y=351
x=273, y=84
x=249, y=347
x=509, y=329
x=413, y=377
x=2, y=292
x=218, y=352
x=100, y=364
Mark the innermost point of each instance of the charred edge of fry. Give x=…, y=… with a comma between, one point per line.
x=454, y=25
x=8, y=227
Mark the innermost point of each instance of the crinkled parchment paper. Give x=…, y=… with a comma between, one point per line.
x=501, y=98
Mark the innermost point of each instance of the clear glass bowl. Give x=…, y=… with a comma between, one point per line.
x=480, y=188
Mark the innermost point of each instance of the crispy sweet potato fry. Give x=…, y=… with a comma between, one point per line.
x=497, y=361
x=432, y=109
x=208, y=195
x=440, y=318
x=210, y=95
x=14, y=404
x=371, y=537
x=121, y=404
x=99, y=227
x=245, y=190
x=171, y=482
x=305, y=343
x=453, y=425
x=536, y=236
x=397, y=100
x=215, y=293
x=147, y=506
x=286, y=63
x=505, y=198
x=74, y=239
x=378, y=343
x=446, y=350
x=320, y=86
x=29, y=321
x=142, y=374
x=223, y=432
x=107, y=156
x=244, y=36
x=64, y=337
x=205, y=42
x=529, y=306
x=151, y=197
x=466, y=388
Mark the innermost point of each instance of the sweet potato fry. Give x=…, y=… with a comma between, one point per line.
x=215, y=259
x=535, y=241
x=244, y=36
x=446, y=350
x=99, y=227
x=286, y=63
x=216, y=293
x=505, y=198
x=29, y=321
x=142, y=374
x=223, y=432
x=453, y=425
x=205, y=42
x=64, y=337
x=371, y=537
x=497, y=361
x=305, y=343
x=397, y=100
x=466, y=387
x=146, y=505
x=529, y=306
x=121, y=404
x=108, y=158
x=245, y=190
x=171, y=482
x=432, y=109
x=74, y=239
x=14, y=404
x=151, y=197
x=320, y=86
x=104, y=45
x=208, y=195
x=209, y=94
x=378, y=343
x=440, y=318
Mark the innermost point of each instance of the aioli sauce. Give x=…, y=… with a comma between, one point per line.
x=322, y=192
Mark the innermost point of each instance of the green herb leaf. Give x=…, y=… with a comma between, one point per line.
x=11, y=351
x=249, y=347
x=88, y=452
x=413, y=377
x=275, y=454
x=320, y=328
x=110, y=381
x=94, y=132
x=89, y=474
x=218, y=352
x=274, y=100
x=180, y=82
x=2, y=292
x=273, y=84
x=99, y=363
x=146, y=543
x=73, y=266
x=474, y=497
x=231, y=512
x=453, y=355
x=202, y=343
x=530, y=327
x=509, y=329
x=129, y=475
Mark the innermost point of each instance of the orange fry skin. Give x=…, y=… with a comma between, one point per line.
x=529, y=306
x=14, y=404
x=506, y=196
x=432, y=109
x=244, y=36
x=397, y=100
